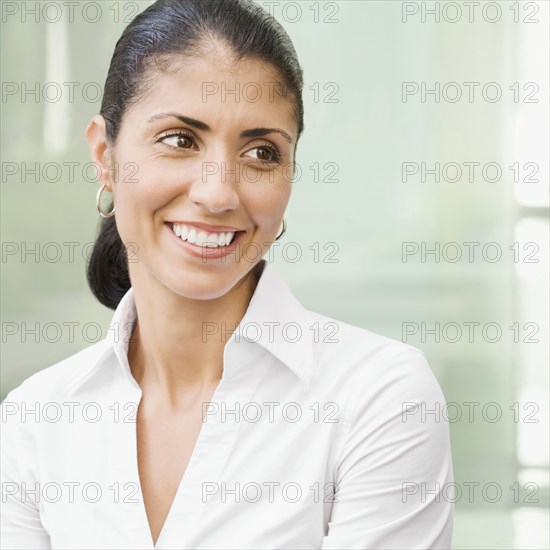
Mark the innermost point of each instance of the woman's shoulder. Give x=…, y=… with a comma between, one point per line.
x=369, y=363
x=386, y=387
x=55, y=381
x=333, y=336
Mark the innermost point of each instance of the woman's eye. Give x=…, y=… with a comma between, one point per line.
x=178, y=141
x=266, y=154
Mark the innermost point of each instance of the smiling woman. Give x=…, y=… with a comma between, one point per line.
x=223, y=416
x=221, y=169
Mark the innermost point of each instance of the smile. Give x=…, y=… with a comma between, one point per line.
x=202, y=238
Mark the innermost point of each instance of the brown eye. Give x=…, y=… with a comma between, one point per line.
x=178, y=141
x=184, y=141
x=265, y=154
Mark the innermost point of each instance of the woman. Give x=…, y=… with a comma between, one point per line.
x=218, y=412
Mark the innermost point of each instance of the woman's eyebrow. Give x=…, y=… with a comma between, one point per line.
x=254, y=132
x=185, y=119
x=259, y=132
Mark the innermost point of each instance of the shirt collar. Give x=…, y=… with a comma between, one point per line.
x=272, y=305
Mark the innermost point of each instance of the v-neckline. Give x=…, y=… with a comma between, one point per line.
x=207, y=397
x=211, y=450
x=182, y=482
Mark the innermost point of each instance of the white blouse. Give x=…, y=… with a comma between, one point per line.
x=319, y=435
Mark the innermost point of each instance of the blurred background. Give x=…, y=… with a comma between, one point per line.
x=420, y=210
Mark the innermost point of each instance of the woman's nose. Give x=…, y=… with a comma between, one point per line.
x=216, y=187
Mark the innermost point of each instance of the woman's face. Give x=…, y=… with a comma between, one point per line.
x=209, y=144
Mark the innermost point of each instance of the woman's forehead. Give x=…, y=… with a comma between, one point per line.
x=197, y=72
x=204, y=89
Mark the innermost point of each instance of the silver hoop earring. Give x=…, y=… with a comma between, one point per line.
x=283, y=231
x=98, y=204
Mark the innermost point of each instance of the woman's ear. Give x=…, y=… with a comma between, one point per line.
x=100, y=150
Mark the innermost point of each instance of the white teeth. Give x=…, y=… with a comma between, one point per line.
x=202, y=238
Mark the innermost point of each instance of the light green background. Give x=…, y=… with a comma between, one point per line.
x=369, y=212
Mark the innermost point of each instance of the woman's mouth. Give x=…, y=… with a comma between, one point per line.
x=204, y=243
x=200, y=237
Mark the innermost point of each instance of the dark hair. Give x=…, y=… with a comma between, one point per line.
x=186, y=28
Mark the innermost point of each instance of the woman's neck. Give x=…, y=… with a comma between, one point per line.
x=176, y=349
